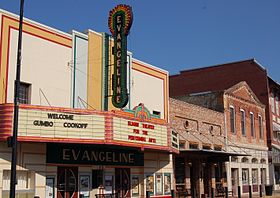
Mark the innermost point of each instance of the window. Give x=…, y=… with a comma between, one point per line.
x=245, y=176
x=255, y=176
x=272, y=103
x=260, y=127
x=182, y=144
x=252, y=124
x=24, y=93
x=232, y=119
x=207, y=147
x=244, y=160
x=150, y=183
x=217, y=148
x=193, y=146
x=234, y=159
x=159, y=184
x=25, y=183
x=277, y=105
x=243, y=126
x=156, y=113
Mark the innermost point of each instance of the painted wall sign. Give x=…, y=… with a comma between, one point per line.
x=120, y=21
x=93, y=155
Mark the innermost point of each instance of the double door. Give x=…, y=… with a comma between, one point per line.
x=67, y=182
x=123, y=182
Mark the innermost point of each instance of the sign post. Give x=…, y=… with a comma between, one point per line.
x=16, y=107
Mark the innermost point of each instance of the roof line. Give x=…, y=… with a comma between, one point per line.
x=218, y=65
x=39, y=24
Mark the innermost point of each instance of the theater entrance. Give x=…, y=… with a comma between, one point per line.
x=67, y=182
x=123, y=182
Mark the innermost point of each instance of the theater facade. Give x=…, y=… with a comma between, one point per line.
x=87, y=125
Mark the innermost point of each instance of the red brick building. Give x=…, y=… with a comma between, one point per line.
x=244, y=134
x=200, y=166
x=220, y=77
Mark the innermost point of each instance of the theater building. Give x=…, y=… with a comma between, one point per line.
x=244, y=132
x=72, y=139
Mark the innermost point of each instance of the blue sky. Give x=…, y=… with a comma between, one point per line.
x=176, y=34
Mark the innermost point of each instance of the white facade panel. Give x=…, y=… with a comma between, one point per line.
x=149, y=90
x=79, y=69
x=45, y=65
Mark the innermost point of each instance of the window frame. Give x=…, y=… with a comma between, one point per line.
x=272, y=102
x=232, y=118
x=260, y=122
x=243, y=122
x=252, y=125
x=277, y=104
x=27, y=94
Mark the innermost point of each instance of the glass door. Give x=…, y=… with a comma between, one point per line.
x=123, y=182
x=67, y=182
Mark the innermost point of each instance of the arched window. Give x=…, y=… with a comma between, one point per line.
x=263, y=161
x=254, y=160
x=245, y=160
x=234, y=159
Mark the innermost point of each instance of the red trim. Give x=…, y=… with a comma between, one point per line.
x=37, y=27
x=148, y=73
x=30, y=33
x=164, y=83
x=149, y=67
x=1, y=42
x=7, y=65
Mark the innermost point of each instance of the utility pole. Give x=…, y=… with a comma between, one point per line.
x=13, y=182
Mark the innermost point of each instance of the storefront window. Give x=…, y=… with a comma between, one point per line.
x=84, y=185
x=255, y=176
x=167, y=183
x=277, y=174
x=50, y=187
x=159, y=184
x=135, y=185
x=25, y=183
x=150, y=183
x=245, y=176
x=109, y=183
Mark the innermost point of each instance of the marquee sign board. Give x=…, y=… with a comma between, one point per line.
x=120, y=20
x=141, y=129
x=52, y=124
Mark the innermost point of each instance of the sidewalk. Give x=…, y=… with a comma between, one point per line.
x=275, y=194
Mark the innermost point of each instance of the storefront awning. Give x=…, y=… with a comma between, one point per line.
x=276, y=127
x=210, y=155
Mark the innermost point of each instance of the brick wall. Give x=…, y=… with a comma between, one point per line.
x=221, y=77
x=197, y=125
x=248, y=107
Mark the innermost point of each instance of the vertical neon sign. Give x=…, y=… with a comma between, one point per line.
x=120, y=21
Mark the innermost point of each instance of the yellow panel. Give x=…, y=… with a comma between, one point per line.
x=110, y=74
x=95, y=71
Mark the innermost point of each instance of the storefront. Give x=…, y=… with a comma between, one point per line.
x=82, y=153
